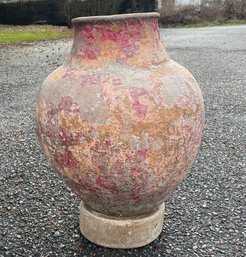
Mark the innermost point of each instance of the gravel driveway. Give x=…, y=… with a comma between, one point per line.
x=204, y=217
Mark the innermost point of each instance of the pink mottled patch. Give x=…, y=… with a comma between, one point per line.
x=89, y=80
x=65, y=137
x=126, y=38
x=107, y=143
x=184, y=102
x=106, y=33
x=92, y=54
x=87, y=33
x=90, y=50
x=142, y=153
x=105, y=182
x=65, y=103
x=188, y=129
x=139, y=108
x=67, y=160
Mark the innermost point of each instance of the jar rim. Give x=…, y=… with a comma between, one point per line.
x=116, y=17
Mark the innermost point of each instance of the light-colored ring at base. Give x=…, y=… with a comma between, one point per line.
x=121, y=232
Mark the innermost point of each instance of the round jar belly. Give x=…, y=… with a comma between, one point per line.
x=122, y=143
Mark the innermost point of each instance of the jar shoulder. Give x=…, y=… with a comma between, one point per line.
x=169, y=80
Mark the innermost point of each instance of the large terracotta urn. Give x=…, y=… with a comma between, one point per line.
x=121, y=123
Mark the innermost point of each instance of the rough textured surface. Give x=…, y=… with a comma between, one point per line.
x=204, y=217
x=121, y=232
x=119, y=125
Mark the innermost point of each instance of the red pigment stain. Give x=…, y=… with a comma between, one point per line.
x=87, y=33
x=89, y=80
x=126, y=38
x=188, y=129
x=104, y=182
x=184, y=102
x=142, y=153
x=128, y=158
x=135, y=197
x=92, y=54
x=68, y=75
x=66, y=103
x=78, y=137
x=107, y=143
x=67, y=160
x=138, y=171
x=119, y=167
x=106, y=33
x=90, y=50
x=140, y=109
x=67, y=138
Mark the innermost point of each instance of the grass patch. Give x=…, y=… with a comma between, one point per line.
x=206, y=24
x=20, y=34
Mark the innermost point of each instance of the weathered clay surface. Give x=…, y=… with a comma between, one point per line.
x=120, y=122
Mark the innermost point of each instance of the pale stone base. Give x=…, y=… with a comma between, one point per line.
x=121, y=232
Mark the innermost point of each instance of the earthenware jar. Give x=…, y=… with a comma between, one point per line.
x=121, y=123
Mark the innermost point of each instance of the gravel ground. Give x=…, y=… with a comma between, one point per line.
x=204, y=217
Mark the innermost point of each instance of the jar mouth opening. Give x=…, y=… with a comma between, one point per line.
x=117, y=17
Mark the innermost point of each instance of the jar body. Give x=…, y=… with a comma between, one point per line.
x=122, y=134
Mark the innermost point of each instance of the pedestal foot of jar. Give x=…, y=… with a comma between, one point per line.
x=120, y=232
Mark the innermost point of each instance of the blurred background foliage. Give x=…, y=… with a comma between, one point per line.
x=60, y=12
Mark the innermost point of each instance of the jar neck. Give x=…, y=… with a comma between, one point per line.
x=135, y=41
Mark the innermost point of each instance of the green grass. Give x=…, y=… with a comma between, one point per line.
x=21, y=34
x=207, y=24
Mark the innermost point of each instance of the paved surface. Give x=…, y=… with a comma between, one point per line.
x=205, y=216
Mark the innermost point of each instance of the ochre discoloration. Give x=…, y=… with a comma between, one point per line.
x=122, y=144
